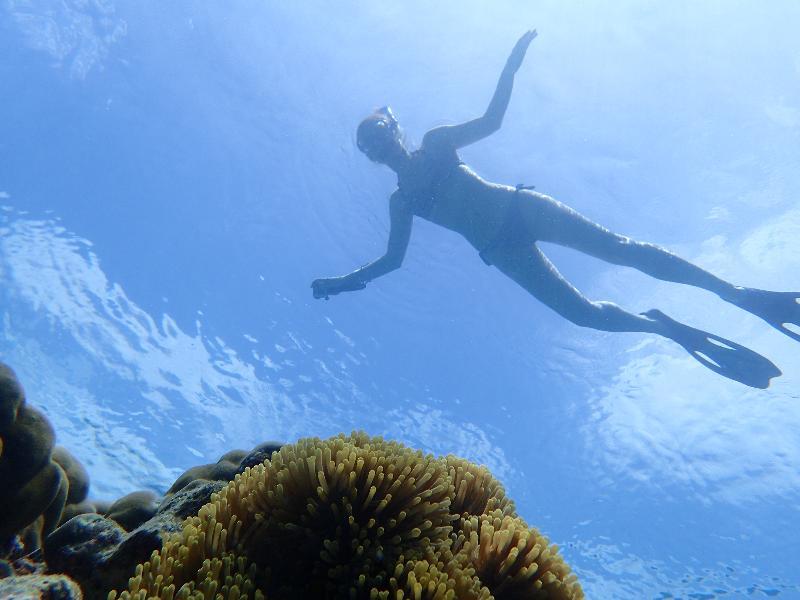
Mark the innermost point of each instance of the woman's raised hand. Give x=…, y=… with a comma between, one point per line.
x=330, y=286
x=520, y=48
x=326, y=287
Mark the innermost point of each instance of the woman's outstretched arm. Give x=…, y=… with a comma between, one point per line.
x=477, y=129
x=401, y=220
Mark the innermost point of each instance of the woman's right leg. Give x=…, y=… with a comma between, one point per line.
x=531, y=269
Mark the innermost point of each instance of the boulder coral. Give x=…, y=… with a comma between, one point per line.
x=77, y=476
x=356, y=517
x=133, y=509
x=35, y=488
x=222, y=470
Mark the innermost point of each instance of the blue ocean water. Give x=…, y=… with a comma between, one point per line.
x=174, y=175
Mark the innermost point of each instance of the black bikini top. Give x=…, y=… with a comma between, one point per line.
x=428, y=173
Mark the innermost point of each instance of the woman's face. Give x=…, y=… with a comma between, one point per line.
x=378, y=135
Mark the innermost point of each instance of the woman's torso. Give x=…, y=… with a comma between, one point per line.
x=440, y=188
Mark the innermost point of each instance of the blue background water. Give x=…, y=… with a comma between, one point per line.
x=173, y=176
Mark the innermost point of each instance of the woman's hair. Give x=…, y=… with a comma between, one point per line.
x=376, y=132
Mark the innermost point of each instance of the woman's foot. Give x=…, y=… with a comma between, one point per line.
x=779, y=309
x=722, y=356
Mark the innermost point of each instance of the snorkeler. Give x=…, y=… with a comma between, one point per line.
x=505, y=223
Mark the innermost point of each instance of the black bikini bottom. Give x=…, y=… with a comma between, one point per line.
x=513, y=230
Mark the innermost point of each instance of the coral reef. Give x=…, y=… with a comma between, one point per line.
x=356, y=517
x=352, y=516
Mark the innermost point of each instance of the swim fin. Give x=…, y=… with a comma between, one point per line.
x=776, y=308
x=722, y=356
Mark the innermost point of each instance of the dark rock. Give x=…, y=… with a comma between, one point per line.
x=96, y=552
x=6, y=570
x=80, y=544
x=188, y=501
x=82, y=548
x=139, y=544
x=13, y=553
x=7, y=546
x=44, y=587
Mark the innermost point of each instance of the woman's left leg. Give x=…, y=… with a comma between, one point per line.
x=553, y=221
x=556, y=222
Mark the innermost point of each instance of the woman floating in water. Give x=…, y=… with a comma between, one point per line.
x=505, y=223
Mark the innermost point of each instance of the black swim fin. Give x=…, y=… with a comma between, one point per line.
x=722, y=356
x=779, y=309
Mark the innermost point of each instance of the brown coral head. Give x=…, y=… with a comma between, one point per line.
x=356, y=517
x=348, y=507
x=513, y=560
x=437, y=576
x=226, y=576
x=477, y=492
